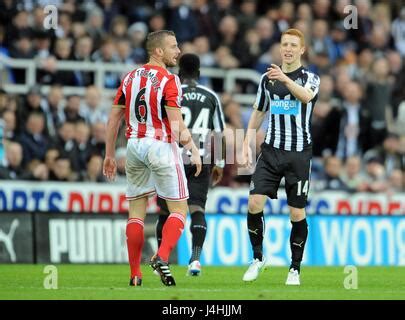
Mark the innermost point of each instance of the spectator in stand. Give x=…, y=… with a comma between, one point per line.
x=247, y=17
x=398, y=27
x=119, y=27
x=62, y=170
x=50, y=157
x=110, y=9
x=124, y=54
x=397, y=78
x=205, y=20
x=108, y=54
x=65, y=139
x=63, y=51
x=352, y=174
x=37, y=170
x=331, y=179
x=137, y=34
x=20, y=25
x=53, y=107
x=320, y=113
x=230, y=37
x=98, y=132
x=95, y=109
x=365, y=60
x=78, y=30
x=82, y=148
x=182, y=21
x=12, y=168
x=33, y=138
x=389, y=154
x=378, y=93
x=72, y=109
x=94, y=25
x=203, y=50
x=157, y=22
x=64, y=29
x=10, y=125
x=321, y=9
x=376, y=176
x=346, y=129
x=267, y=34
x=361, y=34
x=94, y=169
x=269, y=57
x=252, y=40
x=22, y=49
x=82, y=52
x=396, y=181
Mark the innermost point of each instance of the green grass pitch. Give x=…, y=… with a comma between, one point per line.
x=105, y=282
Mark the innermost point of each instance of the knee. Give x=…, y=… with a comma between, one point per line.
x=256, y=203
x=297, y=214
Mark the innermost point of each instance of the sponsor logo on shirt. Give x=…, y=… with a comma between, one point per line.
x=290, y=107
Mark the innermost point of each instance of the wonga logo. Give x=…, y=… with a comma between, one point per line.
x=285, y=107
x=227, y=241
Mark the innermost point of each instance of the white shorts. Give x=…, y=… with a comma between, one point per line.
x=155, y=166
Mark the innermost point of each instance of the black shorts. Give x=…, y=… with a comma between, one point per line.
x=274, y=164
x=197, y=186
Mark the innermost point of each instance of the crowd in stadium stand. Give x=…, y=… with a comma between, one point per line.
x=358, y=122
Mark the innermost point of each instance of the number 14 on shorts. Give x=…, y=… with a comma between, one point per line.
x=302, y=188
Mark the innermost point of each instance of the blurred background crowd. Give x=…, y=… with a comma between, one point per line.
x=358, y=122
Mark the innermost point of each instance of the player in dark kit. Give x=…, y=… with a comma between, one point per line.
x=289, y=94
x=202, y=113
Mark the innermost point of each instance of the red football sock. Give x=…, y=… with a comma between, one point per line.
x=172, y=230
x=135, y=239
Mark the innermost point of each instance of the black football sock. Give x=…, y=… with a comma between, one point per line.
x=255, y=224
x=159, y=227
x=198, y=230
x=298, y=238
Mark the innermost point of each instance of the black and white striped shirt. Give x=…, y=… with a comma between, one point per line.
x=289, y=126
x=202, y=114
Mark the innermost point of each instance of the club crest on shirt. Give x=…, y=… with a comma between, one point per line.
x=298, y=81
x=252, y=186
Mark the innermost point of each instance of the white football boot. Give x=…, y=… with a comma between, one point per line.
x=293, y=278
x=254, y=269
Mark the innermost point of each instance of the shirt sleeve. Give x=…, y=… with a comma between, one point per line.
x=312, y=83
x=172, y=92
x=119, y=99
x=262, y=99
x=219, y=119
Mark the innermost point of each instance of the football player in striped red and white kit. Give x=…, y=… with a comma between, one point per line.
x=149, y=97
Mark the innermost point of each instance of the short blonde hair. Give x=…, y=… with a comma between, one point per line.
x=297, y=33
x=155, y=39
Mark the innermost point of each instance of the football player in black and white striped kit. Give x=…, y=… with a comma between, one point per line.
x=203, y=115
x=288, y=94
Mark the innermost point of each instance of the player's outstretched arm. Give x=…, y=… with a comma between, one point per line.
x=114, y=120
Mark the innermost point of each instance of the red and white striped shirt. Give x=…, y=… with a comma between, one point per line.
x=144, y=92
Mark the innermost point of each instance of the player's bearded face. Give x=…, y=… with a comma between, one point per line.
x=291, y=49
x=171, y=52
